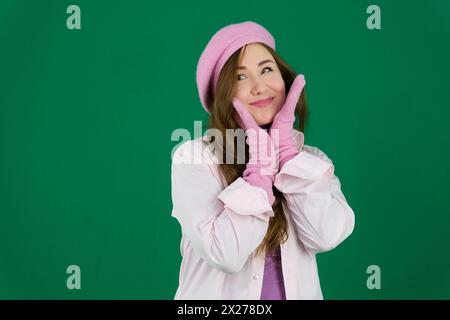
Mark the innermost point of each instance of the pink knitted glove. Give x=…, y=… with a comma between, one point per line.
x=262, y=165
x=283, y=124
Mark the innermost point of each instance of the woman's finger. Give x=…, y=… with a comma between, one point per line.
x=293, y=95
x=245, y=116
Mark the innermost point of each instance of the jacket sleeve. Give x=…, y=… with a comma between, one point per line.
x=224, y=225
x=321, y=214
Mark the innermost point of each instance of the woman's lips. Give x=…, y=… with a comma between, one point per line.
x=263, y=103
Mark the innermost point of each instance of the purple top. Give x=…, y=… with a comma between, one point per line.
x=273, y=284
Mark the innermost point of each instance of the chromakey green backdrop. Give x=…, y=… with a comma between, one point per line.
x=86, y=117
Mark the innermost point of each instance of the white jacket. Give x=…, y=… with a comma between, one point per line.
x=222, y=224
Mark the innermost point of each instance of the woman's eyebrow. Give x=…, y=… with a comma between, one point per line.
x=259, y=64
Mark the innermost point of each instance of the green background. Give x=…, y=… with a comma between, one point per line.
x=86, y=118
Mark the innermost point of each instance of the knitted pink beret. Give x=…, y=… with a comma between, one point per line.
x=219, y=48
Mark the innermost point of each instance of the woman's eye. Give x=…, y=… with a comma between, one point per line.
x=262, y=70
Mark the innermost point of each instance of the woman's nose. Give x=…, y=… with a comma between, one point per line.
x=259, y=87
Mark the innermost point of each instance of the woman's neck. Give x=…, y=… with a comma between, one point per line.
x=266, y=126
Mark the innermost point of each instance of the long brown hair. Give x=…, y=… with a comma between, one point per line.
x=221, y=118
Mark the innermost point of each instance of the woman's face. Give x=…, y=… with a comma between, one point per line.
x=259, y=78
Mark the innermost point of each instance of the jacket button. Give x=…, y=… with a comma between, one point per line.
x=255, y=277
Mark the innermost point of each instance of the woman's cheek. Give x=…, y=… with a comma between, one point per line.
x=278, y=83
x=240, y=92
x=275, y=82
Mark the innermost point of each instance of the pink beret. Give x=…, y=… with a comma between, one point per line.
x=219, y=48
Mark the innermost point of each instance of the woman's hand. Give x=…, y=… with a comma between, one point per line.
x=283, y=124
x=263, y=162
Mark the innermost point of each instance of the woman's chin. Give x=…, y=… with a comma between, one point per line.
x=265, y=117
x=264, y=120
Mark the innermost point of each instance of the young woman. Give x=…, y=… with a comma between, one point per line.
x=251, y=229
